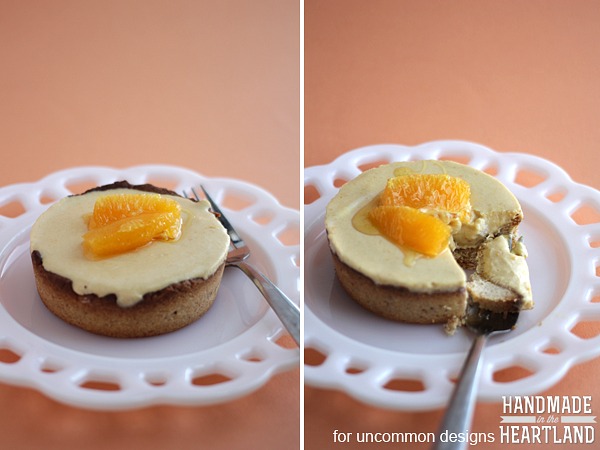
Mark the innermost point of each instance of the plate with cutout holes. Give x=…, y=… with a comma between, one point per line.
x=235, y=348
x=412, y=367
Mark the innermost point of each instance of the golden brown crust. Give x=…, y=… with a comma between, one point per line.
x=400, y=303
x=160, y=312
x=138, y=187
x=466, y=257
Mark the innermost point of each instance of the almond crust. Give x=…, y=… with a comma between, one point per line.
x=398, y=303
x=159, y=312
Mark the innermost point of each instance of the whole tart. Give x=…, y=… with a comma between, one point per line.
x=152, y=290
x=399, y=284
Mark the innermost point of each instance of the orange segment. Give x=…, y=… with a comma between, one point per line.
x=124, y=222
x=113, y=207
x=412, y=228
x=430, y=191
x=129, y=233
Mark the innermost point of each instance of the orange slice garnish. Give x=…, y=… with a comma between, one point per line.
x=409, y=227
x=439, y=192
x=113, y=207
x=121, y=223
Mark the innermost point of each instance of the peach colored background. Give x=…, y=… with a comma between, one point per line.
x=209, y=85
x=204, y=84
x=513, y=75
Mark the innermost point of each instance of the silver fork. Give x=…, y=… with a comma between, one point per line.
x=459, y=414
x=287, y=311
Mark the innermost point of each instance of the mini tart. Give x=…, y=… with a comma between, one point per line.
x=153, y=290
x=396, y=283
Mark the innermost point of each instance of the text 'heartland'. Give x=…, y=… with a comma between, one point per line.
x=541, y=419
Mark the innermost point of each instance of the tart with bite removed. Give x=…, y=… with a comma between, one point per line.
x=403, y=234
x=128, y=261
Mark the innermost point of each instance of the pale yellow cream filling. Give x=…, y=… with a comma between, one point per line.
x=493, y=205
x=505, y=268
x=57, y=236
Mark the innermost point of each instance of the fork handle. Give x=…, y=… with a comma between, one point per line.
x=462, y=404
x=287, y=311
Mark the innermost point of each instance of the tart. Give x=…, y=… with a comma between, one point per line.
x=157, y=288
x=399, y=282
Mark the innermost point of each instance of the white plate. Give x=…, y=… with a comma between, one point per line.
x=365, y=355
x=229, y=352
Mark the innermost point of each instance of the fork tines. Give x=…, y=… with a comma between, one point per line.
x=235, y=237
